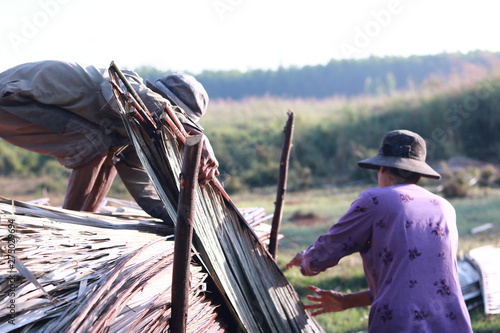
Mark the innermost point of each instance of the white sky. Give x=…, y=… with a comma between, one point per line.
x=193, y=35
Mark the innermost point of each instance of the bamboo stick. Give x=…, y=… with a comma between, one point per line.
x=283, y=175
x=184, y=233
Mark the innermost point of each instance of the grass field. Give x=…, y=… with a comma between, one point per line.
x=308, y=214
x=337, y=128
x=305, y=216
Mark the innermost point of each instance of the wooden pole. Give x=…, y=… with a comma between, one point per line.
x=283, y=175
x=184, y=233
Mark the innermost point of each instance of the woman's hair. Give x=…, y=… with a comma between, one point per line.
x=403, y=176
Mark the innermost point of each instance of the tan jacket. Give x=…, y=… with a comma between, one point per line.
x=44, y=92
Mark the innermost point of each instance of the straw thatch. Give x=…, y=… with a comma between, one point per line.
x=79, y=272
x=255, y=289
x=65, y=271
x=91, y=273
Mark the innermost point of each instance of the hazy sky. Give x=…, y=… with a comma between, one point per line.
x=193, y=35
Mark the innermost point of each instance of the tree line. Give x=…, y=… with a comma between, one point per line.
x=325, y=152
x=373, y=75
x=454, y=122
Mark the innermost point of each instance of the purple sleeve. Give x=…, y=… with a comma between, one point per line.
x=352, y=233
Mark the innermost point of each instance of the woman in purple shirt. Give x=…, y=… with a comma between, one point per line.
x=407, y=238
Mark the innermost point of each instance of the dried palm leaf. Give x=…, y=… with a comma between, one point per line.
x=94, y=279
x=255, y=289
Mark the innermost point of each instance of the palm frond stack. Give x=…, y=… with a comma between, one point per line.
x=86, y=273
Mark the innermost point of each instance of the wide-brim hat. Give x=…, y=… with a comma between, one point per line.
x=404, y=150
x=184, y=91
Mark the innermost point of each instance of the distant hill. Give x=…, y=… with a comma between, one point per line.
x=372, y=76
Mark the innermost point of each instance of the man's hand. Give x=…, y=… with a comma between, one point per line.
x=208, y=162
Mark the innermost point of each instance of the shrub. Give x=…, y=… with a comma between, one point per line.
x=454, y=189
x=488, y=176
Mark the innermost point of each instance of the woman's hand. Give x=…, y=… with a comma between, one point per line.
x=326, y=301
x=296, y=261
x=334, y=301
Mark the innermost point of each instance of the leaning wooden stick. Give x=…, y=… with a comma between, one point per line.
x=181, y=135
x=184, y=233
x=176, y=123
x=280, y=195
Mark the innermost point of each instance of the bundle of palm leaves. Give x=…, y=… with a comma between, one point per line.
x=258, y=294
x=64, y=271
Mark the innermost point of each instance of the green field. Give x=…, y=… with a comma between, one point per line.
x=306, y=215
x=331, y=134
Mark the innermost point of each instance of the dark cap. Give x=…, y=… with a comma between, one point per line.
x=404, y=150
x=184, y=91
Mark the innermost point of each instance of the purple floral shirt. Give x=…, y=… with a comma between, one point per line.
x=408, y=240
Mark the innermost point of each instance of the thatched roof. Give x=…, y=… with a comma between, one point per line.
x=83, y=273
x=80, y=272
x=253, y=286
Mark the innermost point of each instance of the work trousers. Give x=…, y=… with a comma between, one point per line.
x=87, y=151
